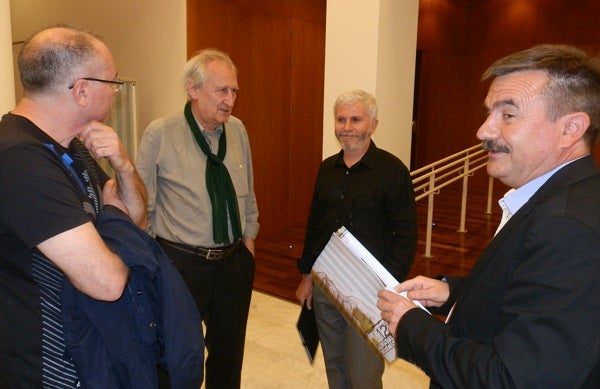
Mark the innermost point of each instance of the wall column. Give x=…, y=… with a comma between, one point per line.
x=7, y=76
x=371, y=45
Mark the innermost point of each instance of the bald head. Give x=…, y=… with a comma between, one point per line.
x=56, y=57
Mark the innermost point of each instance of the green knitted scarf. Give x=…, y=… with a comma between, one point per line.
x=218, y=183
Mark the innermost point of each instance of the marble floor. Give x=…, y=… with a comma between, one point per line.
x=275, y=358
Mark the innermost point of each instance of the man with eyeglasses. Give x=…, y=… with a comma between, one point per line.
x=50, y=194
x=197, y=168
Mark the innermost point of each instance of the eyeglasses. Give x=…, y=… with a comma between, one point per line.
x=117, y=84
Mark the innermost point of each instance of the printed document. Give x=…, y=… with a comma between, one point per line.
x=352, y=276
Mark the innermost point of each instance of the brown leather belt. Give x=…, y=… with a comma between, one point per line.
x=211, y=254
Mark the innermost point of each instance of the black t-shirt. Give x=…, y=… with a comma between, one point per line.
x=40, y=197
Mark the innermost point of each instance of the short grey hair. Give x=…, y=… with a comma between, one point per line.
x=194, y=70
x=358, y=96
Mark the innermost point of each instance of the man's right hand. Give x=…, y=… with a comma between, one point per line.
x=305, y=290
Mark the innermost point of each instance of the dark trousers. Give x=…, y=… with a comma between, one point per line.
x=222, y=290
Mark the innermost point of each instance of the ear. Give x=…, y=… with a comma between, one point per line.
x=80, y=93
x=191, y=89
x=374, y=124
x=576, y=124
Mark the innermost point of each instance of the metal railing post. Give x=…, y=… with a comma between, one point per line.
x=429, y=216
x=489, y=197
x=463, y=202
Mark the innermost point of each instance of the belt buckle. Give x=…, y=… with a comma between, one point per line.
x=212, y=254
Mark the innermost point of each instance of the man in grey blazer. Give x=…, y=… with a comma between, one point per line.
x=528, y=314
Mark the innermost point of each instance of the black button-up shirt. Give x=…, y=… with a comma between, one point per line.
x=374, y=199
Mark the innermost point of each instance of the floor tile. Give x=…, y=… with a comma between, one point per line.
x=275, y=358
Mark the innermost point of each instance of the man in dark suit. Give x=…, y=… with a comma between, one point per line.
x=527, y=316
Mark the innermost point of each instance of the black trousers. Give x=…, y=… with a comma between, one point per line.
x=222, y=290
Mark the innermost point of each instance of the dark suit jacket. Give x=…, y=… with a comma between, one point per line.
x=528, y=315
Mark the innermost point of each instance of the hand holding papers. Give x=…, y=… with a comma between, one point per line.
x=352, y=276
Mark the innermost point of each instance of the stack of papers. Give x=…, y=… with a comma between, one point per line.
x=352, y=276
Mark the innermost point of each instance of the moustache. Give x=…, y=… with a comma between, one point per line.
x=493, y=146
x=346, y=134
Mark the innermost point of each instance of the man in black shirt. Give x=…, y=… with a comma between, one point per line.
x=370, y=192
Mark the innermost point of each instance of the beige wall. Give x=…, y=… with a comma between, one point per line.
x=371, y=45
x=146, y=37
x=7, y=91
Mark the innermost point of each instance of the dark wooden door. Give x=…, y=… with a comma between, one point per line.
x=279, y=49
